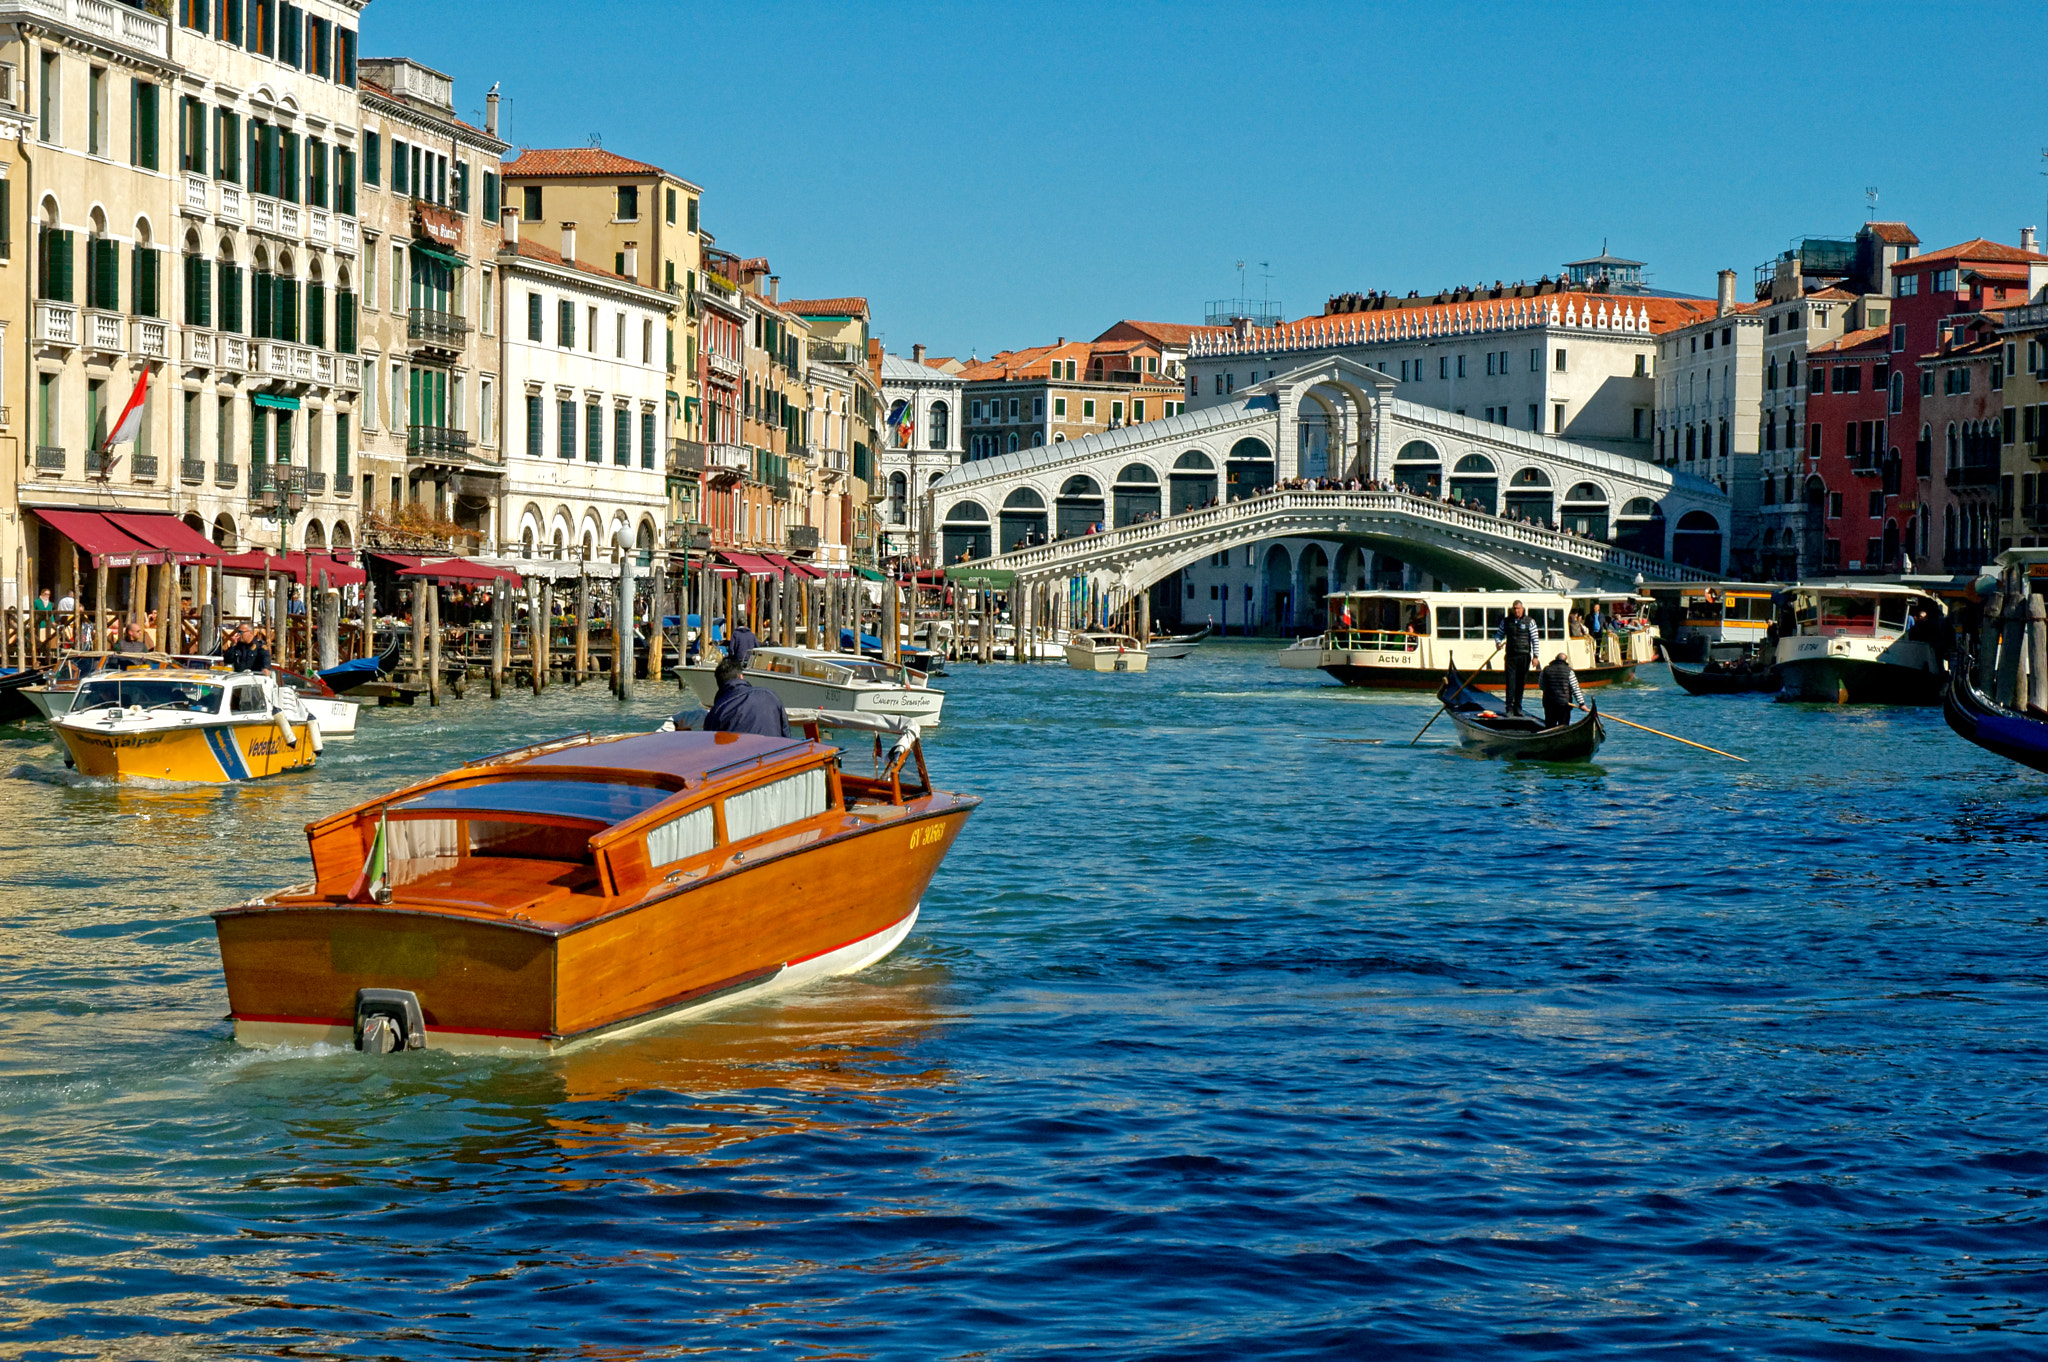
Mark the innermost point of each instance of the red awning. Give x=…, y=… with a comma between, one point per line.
x=102, y=541
x=804, y=570
x=169, y=533
x=752, y=564
x=462, y=570
x=298, y=567
x=400, y=561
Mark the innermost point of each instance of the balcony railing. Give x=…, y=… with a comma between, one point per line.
x=143, y=468
x=195, y=193
x=443, y=330
x=152, y=338
x=50, y=458
x=231, y=202
x=105, y=331
x=95, y=463
x=685, y=456
x=833, y=352
x=56, y=323
x=316, y=483
x=341, y=487
x=722, y=365
x=126, y=25
x=192, y=470
x=1973, y=475
x=236, y=353
x=198, y=347
x=440, y=444
x=803, y=536
x=225, y=475
x=278, y=487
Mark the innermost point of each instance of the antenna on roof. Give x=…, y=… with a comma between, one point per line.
x=596, y=140
x=1265, y=287
x=1870, y=201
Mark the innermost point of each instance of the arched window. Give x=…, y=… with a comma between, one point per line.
x=1898, y=399
x=899, y=487
x=941, y=425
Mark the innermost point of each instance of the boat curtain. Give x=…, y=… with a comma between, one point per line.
x=680, y=838
x=419, y=847
x=772, y=805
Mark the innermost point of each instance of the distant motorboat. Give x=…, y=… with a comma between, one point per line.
x=808, y=678
x=1302, y=655
x=1105, y=652
x=1176, y=645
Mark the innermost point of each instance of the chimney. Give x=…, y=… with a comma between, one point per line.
x=2027, y=239
x=1726, y=293
x=568, y=242
x=510, y=217
x=632, y=254
x=1062, y=341
x=774, y=288
x=917, y=354
x=491, y=112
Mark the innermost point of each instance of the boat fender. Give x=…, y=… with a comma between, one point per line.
x=389, y=1019
x=319, y=739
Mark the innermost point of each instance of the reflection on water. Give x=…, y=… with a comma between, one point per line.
x=1234, y=1025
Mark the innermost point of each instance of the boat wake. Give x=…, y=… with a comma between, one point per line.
x=78, y=780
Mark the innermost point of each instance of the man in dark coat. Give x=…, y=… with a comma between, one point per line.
x=1561, y=693
x=742, y=708
x=1519, y=641
x=244, y=654
x=742, y=644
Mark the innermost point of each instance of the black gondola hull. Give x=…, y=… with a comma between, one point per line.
x=1973, y=715
x=1523, y=739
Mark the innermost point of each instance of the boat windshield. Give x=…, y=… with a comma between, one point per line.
x=593, y=801
x=150, y=692
x=1830, y=614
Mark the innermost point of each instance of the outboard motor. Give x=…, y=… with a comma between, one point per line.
x=389, y=1019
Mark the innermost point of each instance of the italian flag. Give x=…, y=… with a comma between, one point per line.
x=130, y=425
x=372, y=885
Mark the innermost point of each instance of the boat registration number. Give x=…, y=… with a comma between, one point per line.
x=925, y=836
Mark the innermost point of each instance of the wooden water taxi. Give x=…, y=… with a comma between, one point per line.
x=1091, y=651
x=171, y=724
x=1413, y=640
x=584, y=886
x=809, y=678
x=1517, y=735
x=1852, y=646
x=1712, y=621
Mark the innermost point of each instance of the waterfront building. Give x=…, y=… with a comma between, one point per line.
x=1707, y=419
x=845, y=360
x=1962, y=408
x=1170, y=337
x=771, y=391
x=1813, y=293
x=1850, y=449
x=1937, y=297
x=1047, y=394
x=585, y=381
x=923, y=447
x=2023, y=491
x=194, y=202
x=432, y=450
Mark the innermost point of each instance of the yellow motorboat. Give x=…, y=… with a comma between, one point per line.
x=205, y=726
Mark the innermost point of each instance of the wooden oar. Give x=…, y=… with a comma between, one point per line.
x=1440, y=703
x=1673, y=736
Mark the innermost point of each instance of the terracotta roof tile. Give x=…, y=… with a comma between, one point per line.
x=1894, y=233
x=1979, y=249
x=1166, y=333
x=828, y=307
x=563, y=162
x=1854, y=340
x=533, y=250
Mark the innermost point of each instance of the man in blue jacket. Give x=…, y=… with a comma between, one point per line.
x=741, y=708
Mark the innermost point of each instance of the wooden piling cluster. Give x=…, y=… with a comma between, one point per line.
x=2012, y=647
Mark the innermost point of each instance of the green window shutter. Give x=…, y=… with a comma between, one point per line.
x=151, y=141
x=288, y=309
x=288, y=166
x=593, y=433
x=533, y=321
x=259, y=288
x=341, y=445
x=622, y=436
x=533, y=430
x=492, y=208
x=259, y=440
x=63, y=246
x=345, y=183
x=565, y=325
x=231, y=23
x=373, y=160
x=230, y=297
x=647, y=427
x=566, y=438
x=399, y=169
x=345, y=322
x=316, y=316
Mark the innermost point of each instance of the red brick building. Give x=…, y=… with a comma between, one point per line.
x=1963, y=413
x=1849, y=446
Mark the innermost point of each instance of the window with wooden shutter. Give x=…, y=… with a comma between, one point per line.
x=230, y=16
x=622, y=436
x=316, y=316
x=345, y=322
x=260, y=322
x=647, y=439
x=565, y=325
x=287, y=309
x=288, y=166
x=462, y=186
x=341, y=446
x=593, y=433
x=533, y=325
x=227, y=147
x=345, y=57
x=493, y=208
x=316, y=172
x=373, y=156
x=142, y=286
x=198, y=291
x=534, y=447
x=231, y=297
x=143, y=140
x=566, y=416
x=53, y=264
x=345, y=181
x=400, y=159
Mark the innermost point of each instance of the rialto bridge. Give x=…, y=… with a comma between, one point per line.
x=1129, y=507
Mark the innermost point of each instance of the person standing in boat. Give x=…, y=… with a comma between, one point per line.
x=244, y=653
x=741, y=707
x=743, y=640
x=1519, y=642
x=1561, y=694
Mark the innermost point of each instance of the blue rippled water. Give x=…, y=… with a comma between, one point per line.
x=1234, y=1027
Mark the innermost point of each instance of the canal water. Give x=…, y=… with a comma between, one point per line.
x=1234, y=1026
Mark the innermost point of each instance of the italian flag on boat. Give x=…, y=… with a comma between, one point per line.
x=372, y=885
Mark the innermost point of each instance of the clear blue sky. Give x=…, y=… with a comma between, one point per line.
x=993, y=176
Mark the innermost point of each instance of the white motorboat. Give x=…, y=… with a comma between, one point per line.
x=177, y=724
x=1176, y=645
x=1105, y=652
x=1302, y=655
x=809, y=678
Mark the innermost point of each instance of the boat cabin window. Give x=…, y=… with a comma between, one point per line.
x=249, y=700
x=192, y=696
x=1891, y=611
x=778, y=663
x=870, y=671
x=1851, y=614
x=818, y=670
x=680, y=838
x=1463, y=621
x=779, y=802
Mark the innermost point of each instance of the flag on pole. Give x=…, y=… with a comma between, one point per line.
x=130, y=424
x=372, y=885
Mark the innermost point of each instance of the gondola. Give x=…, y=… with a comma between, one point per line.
x=13, y=704
x=361, y=671
x=1503, y=735
x=1700, y=681
x=1990, y=725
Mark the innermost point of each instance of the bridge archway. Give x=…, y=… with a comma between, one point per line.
x=1585, y=511
x=1078, y=506
x=1529, y=496
x=1352, y=565
x=1640, y=527
x=1474, y=478
x=1136, y=494
x=1250, y=467
x=1420, y=468
x=1023, y=519
x=1311, y=585
x=1276, y=593
x=1696, y=542
x=1192, y=481
x=965, y=533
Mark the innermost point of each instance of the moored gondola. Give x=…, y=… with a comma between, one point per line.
x=1990, y=725
x=1516, y=735
x=1706, y=681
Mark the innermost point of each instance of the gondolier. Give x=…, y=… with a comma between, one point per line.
x=1519, y=641
x=1561, y=693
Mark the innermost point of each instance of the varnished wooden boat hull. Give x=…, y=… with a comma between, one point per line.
x=770, y=918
